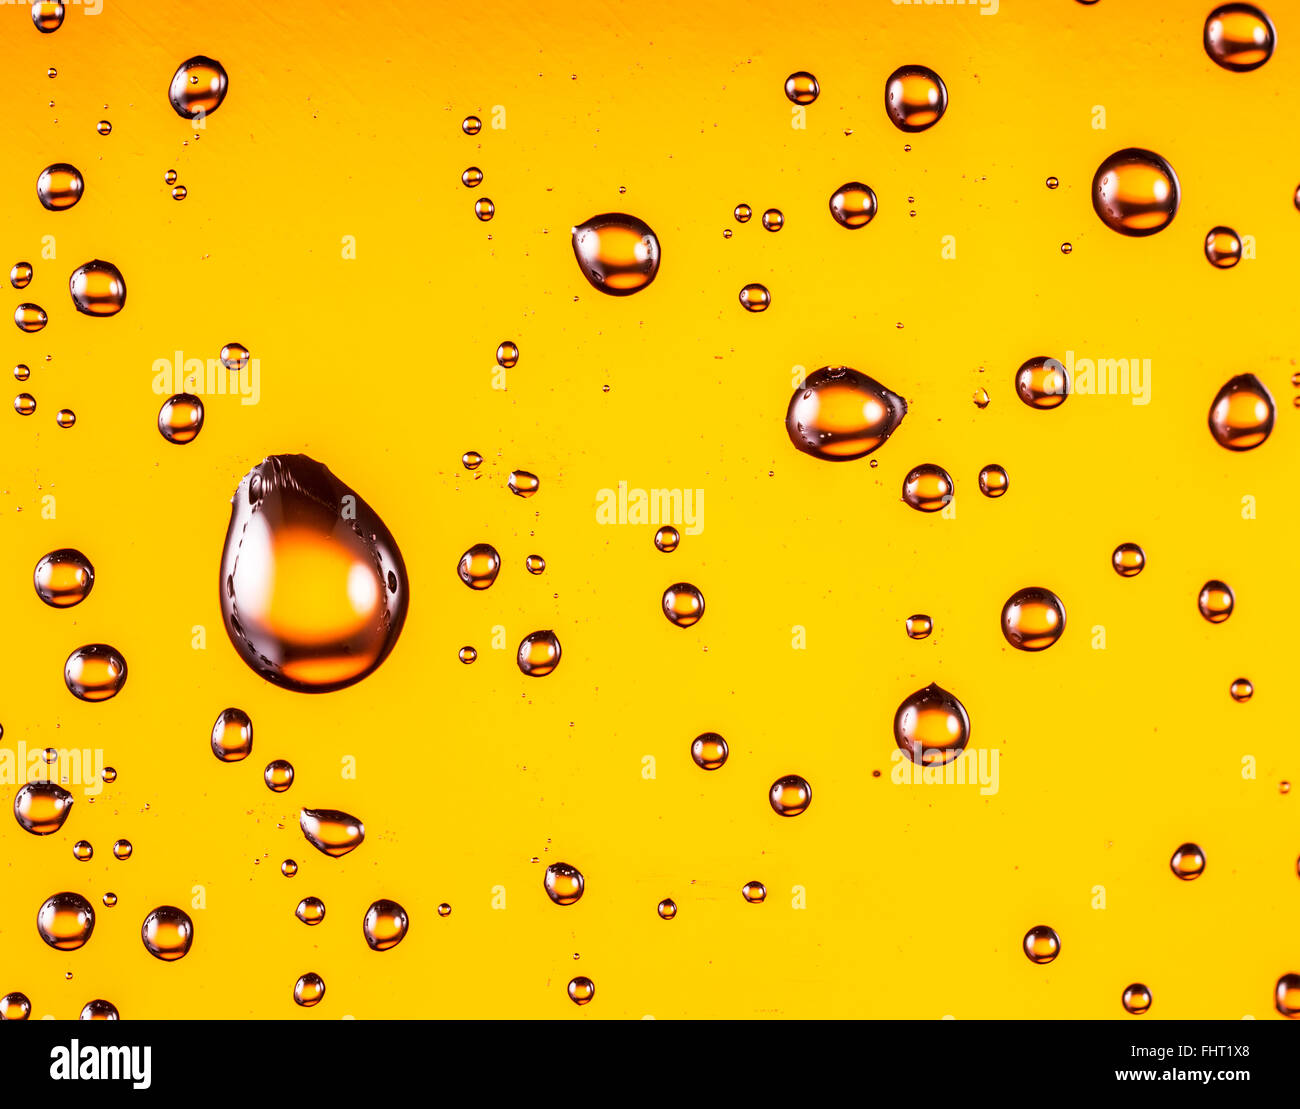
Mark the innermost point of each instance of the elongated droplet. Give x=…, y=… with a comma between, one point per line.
x=63, y=578
x=385, y=924
x=564, y=884
x=1135, y=192
x=65, y=921
x=198, y=87
x=853, y=205
x=927, y=488
x=1242, y=415
x=617, y=253
x=1033, y=619
x=479, y=566
x=42, y=807
x=59, y=187
x=180, y=419
x=232, y=735
x=1128, y=559
x=331, y=831
x=95, y=672
x=1239, y=37
x=539, y=653
x=841, y=414
x=581, y=990
x=683, y=604
x=98, y=289
x=1042, y=382
x=931, y=726
x=309, y=990
x=790, y=796
x=1042, y=944
x=1216, y=601
x=915, y=98
x=1187, y=862
x=313, y=586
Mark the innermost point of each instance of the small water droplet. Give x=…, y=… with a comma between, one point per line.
x=773, y=219
x=1187, y=862
x=484, y=208
x=65, y=417
x=180, y=192
x=755, y=297
x=1241, y=690
x=471, y=460
x=98, y=289
x=232, y=735
x=30, y=318
x=95, y=672
x=1215, y=601
x=472, y=177
x=802, y=87
x=60, y=186
x=754, y=892
x=535, y=564
x=278, y=775
x=790, y=795
x=20, y=275
x=994, y=480
x=82, y=851
x=1128, y=559
x=522, y=483
x=122, y=850
x=309, y=990
x=853, y=205
x=927, y=488
x=1222, y=247
x=1286, y=995
x=742, y=213
x=1042, y=382
x=479, y=566
x=180, y=419
x=15, y=1006
x=467, y=655
x=507, y=355
x=1052, y=182
x=99, y=1009
x=581, y=990
x=918, y=626
x=47, y=15
x=683, y=604
x=65, y=921
x=667, y=909
x=471, y=125
x=310, y=910
x=667, y=539
x=104, y=127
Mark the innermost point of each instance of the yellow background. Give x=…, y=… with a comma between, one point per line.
x=344, y=120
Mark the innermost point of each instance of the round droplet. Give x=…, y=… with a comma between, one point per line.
x=20, y=275
x=478, y=567
x=918, y=626
x=709, y=751
x=754, y=892
x=232, y=735
x=1222, y=247
x=122, y=850
x=99, y=1009
x=535, y=564
x=667, y=909
x=109, y=899
x=1042, y=944
x=278, y=775
x=65, y=417
x=110, y=775
x=1241, y=690
x=47, y=15
x=1188, y=862
x=539, y=653
x=310, y=910
x=931, y=726
x=743, y=212
x=683, y=604
x=385, y=925
x=927, y=488
x=24, y=404
x=802, y=88
x=1033, y=619
x=289, y=868
x=790, y=796
x=915, y=98
x=1286, y=995
x=1128, y=560
x=22, y=372
x=1239, y=37
x=773, y=219
x=1215, y=601
x=180, y=419
x=1135, y=192
x=523, y=484
x=59, y=187
x=83, y=851
x=444, y=909
x=180, y=192
x=667, y=538
x=840, y=414
x=98, y=289
x=484, y=208
x=853, y=205
x=755, y=297
x=170, y=177
x=471, y=125
x=564, y=884
x=198, y=87
x=309, y=990
x=313, y=586
x=1052, y=182
x=95, y=672
x=104, y=127
x=994, y=480
x=63, y=578
x=472, y=177
x=30, y=318
x=507, y=355
x=65, y=921
x=1242, y=414
x=471, y=460
x=234, y=356
x=1042, y=382
x=15, y=1006
x=42, y=807
x=581, y=990
x=467, y=655
x=617, y=253
x=331, y=831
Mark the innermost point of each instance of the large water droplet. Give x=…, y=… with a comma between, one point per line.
x=59, y=187
x=709, y=751
x=198, y=87
x=30, y=318
x=1239, y=37
x=309, y=990
x=1135, y=192
x=65, y=921
x=42, y=807
x=15, y=1006
x=95, y=672
x=539, y=653
x=385, y=924
x=98, y=289
x=1042, y=382
x=479, y=566
x=167, y=933
x=840, y=414
x=683, y=604
x=617, y=253
x=1242, y=414
x=931, y=726
x=853, y=205
x=1033, y=619
x=790, y=795
x=564, y=884
x=47, y=15
x=915, y=98
x=331, y=831
x=63, y=578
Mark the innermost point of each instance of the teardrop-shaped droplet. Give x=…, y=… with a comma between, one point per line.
x=1042, y=382
x=683, y=604
x=42, y=807
x=1042, y=944
x=1216, y=601
x=98, y=289
x=522, y=483
x=63, y=578
x=754, y=892
x=1242, y=414
x=310, y=910
x=994, y=480
x=232, y=735
x=617, y=253
x=709, y=751
x=309, y=990
x=1222, y=247
x=840, y=414
x=667, y=909
x=853, y=205
x=915, y=98
x=180, y=419
x=667, y=539
x=479, y=566
x=313, y=586
x=1239, y=37
x=931, y=726
x=1135, y=192
x=1128, y=559
x=1286, y=995
x=59, y=187
x=1187, y=862
x=385, y=924
x=927, y=488
x=1136, y=999
x=581, y=990
x=790, y=795
x=198, y=87
x=539, y=653
x=1033, y=619
x=30, y=318
x=15, y=1006
x=47, y=15
x=95, y=672
x=755, y=298
x=66, y=921
x=99, y=1009
x=802, y=87
x=564, y=884
x=331, y=831
x=278, y=775
x=20, y=276
x=918, y=626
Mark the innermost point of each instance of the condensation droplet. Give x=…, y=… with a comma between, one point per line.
x=853, y=205
x=63, y=578
x=1242, y=414
x=581, y=990
x=331, y=831
x=95, y=672
x=47, y=15
x=1215, y=601
x=180, y=419
x=522, y=483
x=755, y=297
x=773, y=219
x=1135, y=192
x=743, y=212
x=1128, y=559
x=507, y=355
x=20, y=275
x=790, y=795
x=918, y=626
x=122, y=850
x=198, y=87
x=683, y=604
x=1042, y=944
x=564, y=884
x=1042, y=382
x=471, y=125
x=99, y=1009
x=667, y=538
x=840, y=414
x=309, y=990
x=232, y=735
x=1187, y=862
x=927, y=488
x=994, y=480
x=1241, y=690
x=802, y=87
x=539, y=653
x=709, y=751
x=1033, y=619
x=617, y=253
x=30, y=318
x=385, y=924
x=754, y=892
x=1239, y=37
x=1222, y=247
x=278, y=775
x=931, y=726
x=535, y=564
x=60, y=187
x=479, y=566
x=65, y=921
x=310, y=910
x=42, y=807
x=98, y=289
x=915, y=98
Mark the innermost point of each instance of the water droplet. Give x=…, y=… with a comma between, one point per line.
x=1042, y=944
x=790, y=796
x=24, y=404
x=853, y=205
x=30, y=318
x=980, y=398
x=99, y=1009
x=385, y=924
x=484, y=208
x=180, y=192
x=95, y=672
x=523, y=484
x=66, y=921
x=915, y=98
x=1239, y=37
x=535, y=564
x=743, y=212
x=773, y=219
x=478, y=567
x=22, y=372
x=507, y=355
x=65, y=417
x=309, y=990
x=1242, y=414
x=617, y=253
x=110, y=775
x=581, y=990
x=232, y=735
x=63, y=578
x=1215, y=601
x=1033, y=619
x=47, y=15
x=59, y=186
x=667, y=909
x=1241, y=690
x=289, y=868
x=471, y=460
x=1286, y=995
x=180, y=419
x=278, y=775
x=667, y=538
x=42, y=807
x=198, y=87
x=313, y=586
x=472, y=177
x=310, y=910
x=110, y=899
x=467, y=655
x=170, y=177
x=1042, y=382
x=1128, y=560
x=1135, y=192
x=927, y=488
x=918, y=626
x=564, y=884
x=994, y=480
x=82, y=851
x=20, y=276
x=802, y=88
x=471, y=125
x=104, y=127
x=709, y=751
x=15, y=1006
x=1066, y=248
x=1052, y=182
x=1222, y=247
x=755, y=297
x=444, y=909
x=1188, y=862
x=122, y=850
x=683, y=604
x=754, y=892
x=539, y=653
x=931, y=726
x=331, y=831
x=98, y=289
x=841, y=414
